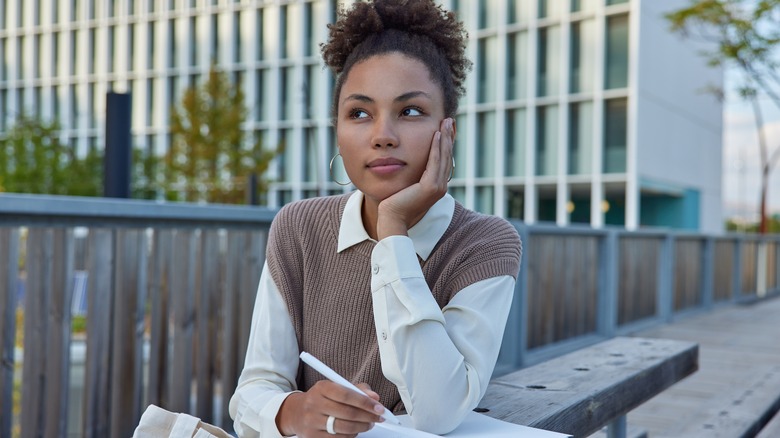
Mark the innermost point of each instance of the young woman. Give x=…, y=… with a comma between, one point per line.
x=395, y=286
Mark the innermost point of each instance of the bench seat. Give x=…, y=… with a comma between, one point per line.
x=581, y=392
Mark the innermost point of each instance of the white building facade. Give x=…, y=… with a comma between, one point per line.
x=577, y=111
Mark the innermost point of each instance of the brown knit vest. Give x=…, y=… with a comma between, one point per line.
x=328, y=294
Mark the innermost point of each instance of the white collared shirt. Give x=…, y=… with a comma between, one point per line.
x=441, y=360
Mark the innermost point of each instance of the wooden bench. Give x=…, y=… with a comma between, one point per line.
x=589, y=389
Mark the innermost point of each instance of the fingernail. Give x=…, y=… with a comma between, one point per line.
x=379, y=409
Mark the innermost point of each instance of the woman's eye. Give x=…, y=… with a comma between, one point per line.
x=411, y=112
x=358, y=114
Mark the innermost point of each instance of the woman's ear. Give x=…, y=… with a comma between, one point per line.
x=454, y=129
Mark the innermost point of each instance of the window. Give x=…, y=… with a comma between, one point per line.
x=92, y=51
x=548, y=66
x=617, y=52
x=484, y=200
x=517, y=12
x=515, y=203
x=74, y=107
x=289, y=93
x=193, y=29
x=487, y=62
x=580, y=137
x=151, y=46
x=237, y=37
x=172, y=43
x=39, y=54
x=259, y=32
x=583, y=5
x=615, y=135
x=112, y=49
x=311, y=156
x=486, y=144
x=514, y=153
x=546, y=140
x=550, y=8
x=130, y=47
x=517, y=66
x=214, y=38
x=488, y=13
x=582, y=56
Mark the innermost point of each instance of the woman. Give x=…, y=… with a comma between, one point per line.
x=396, y=286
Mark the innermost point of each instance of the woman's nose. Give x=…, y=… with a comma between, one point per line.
x=384, y=133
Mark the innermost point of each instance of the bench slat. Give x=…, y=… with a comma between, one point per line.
x=580, y=392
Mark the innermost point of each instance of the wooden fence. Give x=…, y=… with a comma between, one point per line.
x=171, y=288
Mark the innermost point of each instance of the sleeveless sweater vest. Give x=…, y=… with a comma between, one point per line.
x=328, y=294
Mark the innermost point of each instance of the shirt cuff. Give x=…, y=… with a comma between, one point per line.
x=393, y=258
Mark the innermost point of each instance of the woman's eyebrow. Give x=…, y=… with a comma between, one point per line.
x=358, y=97
x=411, y=95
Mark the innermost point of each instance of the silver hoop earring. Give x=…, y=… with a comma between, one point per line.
x=452, y=171
x=331, y=171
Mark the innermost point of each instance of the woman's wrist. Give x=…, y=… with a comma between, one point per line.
x=285, y=418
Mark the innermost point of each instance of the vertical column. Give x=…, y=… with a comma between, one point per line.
x=9, y=268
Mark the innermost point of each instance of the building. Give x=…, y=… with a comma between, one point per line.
x=578, y=111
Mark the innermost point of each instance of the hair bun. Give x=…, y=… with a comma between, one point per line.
x=418, y=17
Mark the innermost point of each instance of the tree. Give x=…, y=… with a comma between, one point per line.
x=746, y=36
x=33, y=160
x=208, y=159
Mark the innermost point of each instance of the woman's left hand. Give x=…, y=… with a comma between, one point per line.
x=402, y=210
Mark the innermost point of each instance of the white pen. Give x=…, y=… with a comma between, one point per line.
x=335, y=377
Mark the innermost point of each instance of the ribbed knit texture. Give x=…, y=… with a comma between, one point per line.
x=328, y=294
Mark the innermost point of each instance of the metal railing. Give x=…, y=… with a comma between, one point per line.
x=170, y=292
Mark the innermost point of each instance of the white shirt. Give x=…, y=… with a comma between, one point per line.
x=441, y=360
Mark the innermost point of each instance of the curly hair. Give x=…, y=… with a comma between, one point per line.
x=416, y=28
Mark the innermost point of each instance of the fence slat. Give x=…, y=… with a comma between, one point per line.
x=38, y=267
x=100, y=307
x=159, y=292
x=9, y=269
x=59, y=333
x=231, y=323
x=206, y=324
x=182, y=300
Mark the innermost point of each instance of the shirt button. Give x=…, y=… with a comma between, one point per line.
x=384, y=335
x=376, y=269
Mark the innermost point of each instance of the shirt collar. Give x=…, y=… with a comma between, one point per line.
x=425, y=234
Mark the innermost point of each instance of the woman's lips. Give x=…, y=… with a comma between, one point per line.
x=384, y=166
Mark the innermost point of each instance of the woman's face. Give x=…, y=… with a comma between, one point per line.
x=388, y=112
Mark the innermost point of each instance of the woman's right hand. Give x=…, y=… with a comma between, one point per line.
x=305, y=414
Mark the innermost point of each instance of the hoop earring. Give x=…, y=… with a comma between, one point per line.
x=452, y=171
x=331, y=171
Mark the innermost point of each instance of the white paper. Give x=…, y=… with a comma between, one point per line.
x=475, y=425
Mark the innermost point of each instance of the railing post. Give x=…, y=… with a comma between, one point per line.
x=9, y=268
x=608, y=280
x=617, y=428
x=666, y=279
x=736, y=291
x=521, y=300
x=708, y=272
x=761, y=267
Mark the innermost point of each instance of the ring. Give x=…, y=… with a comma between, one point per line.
x=329, y=424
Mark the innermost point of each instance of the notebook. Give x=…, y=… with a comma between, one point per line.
x=475, y=425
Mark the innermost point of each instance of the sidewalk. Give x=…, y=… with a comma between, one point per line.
x=737, y=387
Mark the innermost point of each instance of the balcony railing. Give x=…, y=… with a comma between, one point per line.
x=170, y=290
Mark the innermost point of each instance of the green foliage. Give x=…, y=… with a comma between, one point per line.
x=33, y=160
x=773, y=226
x=209, y=160
x=745, y=35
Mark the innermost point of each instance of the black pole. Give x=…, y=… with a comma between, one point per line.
x=118, y=158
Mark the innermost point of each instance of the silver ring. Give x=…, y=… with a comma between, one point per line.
x=329, y=424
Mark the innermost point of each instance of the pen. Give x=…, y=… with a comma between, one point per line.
x=335, y=377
